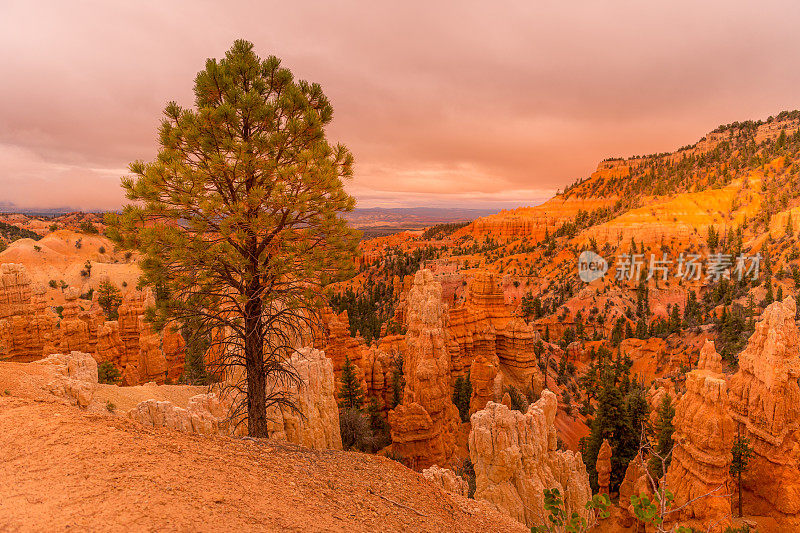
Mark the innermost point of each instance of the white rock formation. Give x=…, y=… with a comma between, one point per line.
x=516, y=459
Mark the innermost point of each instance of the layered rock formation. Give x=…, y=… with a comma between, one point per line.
x=146, y=355
x=765, y=404
x=698, y=474
x=316, y=425
x=425, y=424
x=30, y=330
x=205, y=414
x=516, y=459
x=447, y=479
x=532, y=222
x=339, y=345
x=485, y=335
x=483, y=376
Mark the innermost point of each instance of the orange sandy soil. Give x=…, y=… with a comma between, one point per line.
x=65, y=469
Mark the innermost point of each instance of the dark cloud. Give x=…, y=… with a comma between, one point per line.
x=476, y=103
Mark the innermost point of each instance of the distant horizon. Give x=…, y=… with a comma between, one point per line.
x=479, y=211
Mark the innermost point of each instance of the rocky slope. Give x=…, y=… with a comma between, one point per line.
x=90, y=472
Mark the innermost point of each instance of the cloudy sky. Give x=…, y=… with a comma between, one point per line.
x=484, y=104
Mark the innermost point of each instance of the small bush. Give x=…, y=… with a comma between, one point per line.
x=53, y=284
x=102, y=250
x=355, y=429
x=107, y=373
x=89, y=228
x=110, y=407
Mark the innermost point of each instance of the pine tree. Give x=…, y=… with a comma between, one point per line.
x=109, y=299
x=398, y=383
x=770, y=297
x=243, y=205
x=351, y=396
x=620, y=414
x=664, y=430
x=675, y=319
x=742, y=452
x=641, y=329
x=462, y=394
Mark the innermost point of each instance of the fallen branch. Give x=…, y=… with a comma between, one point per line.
x=397, y=503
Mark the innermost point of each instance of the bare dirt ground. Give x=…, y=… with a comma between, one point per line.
x=65, y=469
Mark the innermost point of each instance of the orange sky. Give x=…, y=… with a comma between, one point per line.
x=471, y=104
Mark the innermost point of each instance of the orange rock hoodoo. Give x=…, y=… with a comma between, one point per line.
x=425, y=424
x=765, y=404
x=701, y=456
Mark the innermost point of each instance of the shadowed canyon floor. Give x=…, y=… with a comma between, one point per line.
x=88, y=472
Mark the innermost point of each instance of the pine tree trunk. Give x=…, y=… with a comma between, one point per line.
x=254, y=365
x=739, y=475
